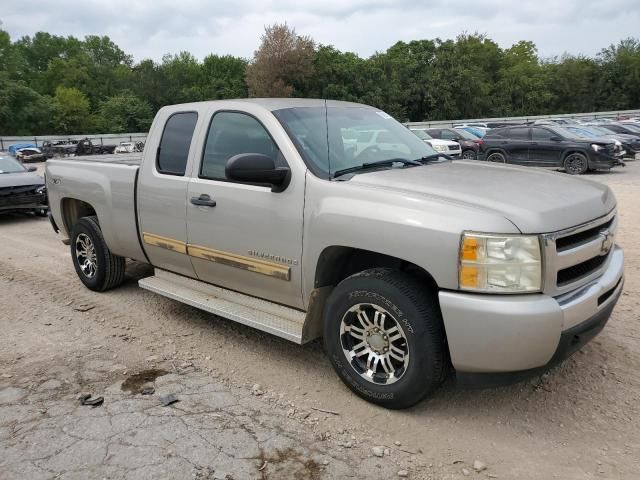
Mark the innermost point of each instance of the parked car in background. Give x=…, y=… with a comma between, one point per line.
x=627, y=128
x=630, y=144
x=13, y=149
x=21, y=190
x=58, y=148
x=477, y=131
x=549, y=146
x=28, y=155
x=125, y=147
x=449, y=147
x=555, y=121
x=469, y=143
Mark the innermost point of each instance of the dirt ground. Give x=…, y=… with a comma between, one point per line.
x=257, y=407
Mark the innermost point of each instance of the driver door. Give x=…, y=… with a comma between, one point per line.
x=244, y=237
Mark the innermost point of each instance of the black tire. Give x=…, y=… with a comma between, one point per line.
x=576, y=164
x=469, y=154
x=413, y=307
x=109, y=268
x=496, y=157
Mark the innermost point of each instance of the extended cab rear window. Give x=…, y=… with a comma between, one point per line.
x=175, y=142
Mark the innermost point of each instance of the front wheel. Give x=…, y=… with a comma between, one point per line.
x=496, y=157
x=384, y=335
x=576, y=164
x=96, y=266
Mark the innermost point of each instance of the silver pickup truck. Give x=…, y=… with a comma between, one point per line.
x=284, y=215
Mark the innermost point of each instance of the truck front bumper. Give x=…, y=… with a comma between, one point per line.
x=501, y=339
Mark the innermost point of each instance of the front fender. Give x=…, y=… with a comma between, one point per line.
x=417, y=229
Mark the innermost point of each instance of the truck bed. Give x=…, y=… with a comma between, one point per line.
x=107, y=183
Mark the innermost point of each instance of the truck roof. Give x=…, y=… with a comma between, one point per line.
x=271, y=103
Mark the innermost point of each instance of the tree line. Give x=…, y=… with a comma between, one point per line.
x=52, y=84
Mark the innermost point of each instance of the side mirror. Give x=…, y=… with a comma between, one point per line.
x=257, y=168
x=32, y=169
x=555, y=139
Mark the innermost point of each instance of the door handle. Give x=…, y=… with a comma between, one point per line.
x=203, y=200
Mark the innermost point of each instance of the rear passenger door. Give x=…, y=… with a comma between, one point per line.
x=162, y=191
x=544, y=152
x=516, y=145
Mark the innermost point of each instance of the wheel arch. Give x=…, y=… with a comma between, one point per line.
x=336, y=263
x=73, y=210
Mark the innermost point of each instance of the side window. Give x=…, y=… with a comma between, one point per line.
x=175, y=142
x=519, y=133
x=541, y=134
x=230, y=134
x=435, y=133
x=448, y=135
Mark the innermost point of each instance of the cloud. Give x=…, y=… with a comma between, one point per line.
x=149, y=29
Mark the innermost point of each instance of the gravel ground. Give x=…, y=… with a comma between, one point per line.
x=257, y=407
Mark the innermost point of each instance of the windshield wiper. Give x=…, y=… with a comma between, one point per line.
x=432, y=158
x=381, y=163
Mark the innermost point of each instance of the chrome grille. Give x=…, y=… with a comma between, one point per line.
x=576, y=256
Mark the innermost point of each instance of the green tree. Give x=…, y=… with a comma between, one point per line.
x=125, y=113
x=71, y=111
x=24, y=111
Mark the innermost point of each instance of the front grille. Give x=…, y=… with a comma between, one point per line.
x=571, y=241
x=454, y=147
x=22, y=195
x=576, y=272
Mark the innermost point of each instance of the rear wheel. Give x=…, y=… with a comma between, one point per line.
x=576, y=164
x=384, y=335
x=496, y=157
x=96, y=266
x=469, y=155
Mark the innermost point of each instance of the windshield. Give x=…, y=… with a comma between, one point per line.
x=565, y=132
x=332, y=139
x=633, y=128
x=9, y=165
x=583, y=132
x=422, y=135
x=466, y=134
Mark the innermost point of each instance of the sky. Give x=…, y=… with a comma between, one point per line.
x=151, y=28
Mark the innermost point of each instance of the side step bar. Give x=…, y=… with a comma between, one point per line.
x=269, y=317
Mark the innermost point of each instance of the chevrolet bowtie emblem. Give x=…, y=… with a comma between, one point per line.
x=607, y=241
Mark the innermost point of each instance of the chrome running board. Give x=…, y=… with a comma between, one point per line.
x=269, y=317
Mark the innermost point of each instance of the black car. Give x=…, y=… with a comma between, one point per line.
x=469, y=143
x=630, y=143
x=21, y=190
x=625, y=128
x=548, y=146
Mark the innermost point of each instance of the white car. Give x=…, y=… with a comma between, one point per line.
x=125, y=147
x=449, y=147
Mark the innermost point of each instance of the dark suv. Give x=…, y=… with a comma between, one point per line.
x=548, y=146
x=469, y=143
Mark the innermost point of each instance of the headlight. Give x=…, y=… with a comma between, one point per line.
x=439, y=148
x=40, y=190
x=500, y=263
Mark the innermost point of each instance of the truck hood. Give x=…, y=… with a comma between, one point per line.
x=536, y=201
x=19, y=179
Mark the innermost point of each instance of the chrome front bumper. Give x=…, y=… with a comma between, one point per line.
x=503, y=333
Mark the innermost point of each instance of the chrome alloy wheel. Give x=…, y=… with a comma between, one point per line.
x=374, y=343
x=86, y=255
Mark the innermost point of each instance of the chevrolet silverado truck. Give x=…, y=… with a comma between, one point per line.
x=408, y=265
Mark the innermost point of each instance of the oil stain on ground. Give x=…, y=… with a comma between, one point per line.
x=136, y=382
